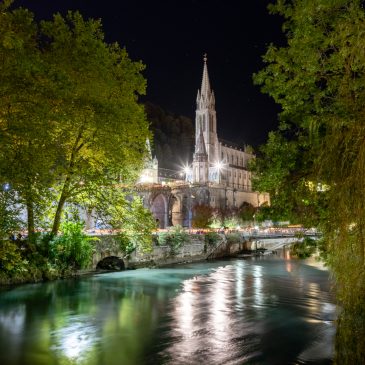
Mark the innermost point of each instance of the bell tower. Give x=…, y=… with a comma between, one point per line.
x=205, y=127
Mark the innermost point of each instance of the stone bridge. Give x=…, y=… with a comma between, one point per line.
x=173, y=204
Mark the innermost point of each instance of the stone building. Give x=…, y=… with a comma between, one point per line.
x=218, y=176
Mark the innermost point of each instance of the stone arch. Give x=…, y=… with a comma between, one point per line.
x=159, y=209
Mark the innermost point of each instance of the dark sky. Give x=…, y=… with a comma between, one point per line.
x=171, y=36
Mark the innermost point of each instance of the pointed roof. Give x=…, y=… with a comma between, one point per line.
x=205, y=89
x=200, y=144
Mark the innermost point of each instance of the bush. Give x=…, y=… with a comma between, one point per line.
x=72, y=249
x=212, y=238
x=305, y=248
x=11, y=261
x=234, y=237
x=125, y=243
x=175, y=238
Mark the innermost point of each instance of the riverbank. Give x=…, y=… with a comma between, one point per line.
x=199, y=247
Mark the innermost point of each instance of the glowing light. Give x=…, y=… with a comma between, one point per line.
x=219, y=165
x=187, y=170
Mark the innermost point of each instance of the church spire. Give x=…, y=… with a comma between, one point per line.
x=205, y=89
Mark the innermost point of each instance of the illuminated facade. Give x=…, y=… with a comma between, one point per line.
x=218, y=176
x=215, y=162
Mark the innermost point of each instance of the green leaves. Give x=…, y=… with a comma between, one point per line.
x=318, y=79
x=70, y=123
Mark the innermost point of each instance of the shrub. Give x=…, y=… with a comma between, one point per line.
x=305, y=248
x=11, y=261
x=212, y=238
x=233, y=237
x=175, y=238
x=72, y=249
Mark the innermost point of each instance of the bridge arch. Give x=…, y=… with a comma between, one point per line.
x=159, y=209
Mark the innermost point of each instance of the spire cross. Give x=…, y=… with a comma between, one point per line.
x=205, y=58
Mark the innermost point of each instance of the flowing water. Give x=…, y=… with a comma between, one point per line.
x=261, y=311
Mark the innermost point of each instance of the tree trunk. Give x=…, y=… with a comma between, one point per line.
x=60, y=205
x=65, y=190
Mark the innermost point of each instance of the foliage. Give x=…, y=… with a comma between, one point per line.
x=305, y=248
x=175, y=238
x=233, y=237
x=227, y=218
x=123, y=211
x=318, y=79
x=11, y=260
x=9, y=214
x=202, y=216
x=69, y=121
x=212, y=238
x=246, y=212
x=73, y=248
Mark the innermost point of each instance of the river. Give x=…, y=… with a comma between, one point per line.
x=268, y=310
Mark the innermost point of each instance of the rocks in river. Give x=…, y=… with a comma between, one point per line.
x=111, y=263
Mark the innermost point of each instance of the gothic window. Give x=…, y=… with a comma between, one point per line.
x=222, y=156
x=232, y=159
x=211, y=123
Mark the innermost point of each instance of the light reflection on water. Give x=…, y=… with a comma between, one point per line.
x=265, y=311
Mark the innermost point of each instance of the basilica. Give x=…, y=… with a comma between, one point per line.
x=218, y=176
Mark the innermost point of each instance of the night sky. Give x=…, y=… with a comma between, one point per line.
x=171, y=36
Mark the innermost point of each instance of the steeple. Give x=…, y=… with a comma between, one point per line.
x=205, y=88
x=205, y=98
x=205, y=117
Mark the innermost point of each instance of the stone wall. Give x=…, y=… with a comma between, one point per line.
x=195, y=250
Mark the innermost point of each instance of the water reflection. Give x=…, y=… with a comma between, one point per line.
x=233, y=312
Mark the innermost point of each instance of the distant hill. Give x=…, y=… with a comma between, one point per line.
x=173, y=142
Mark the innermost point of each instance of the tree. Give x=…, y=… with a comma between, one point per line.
x=318, y=79
x=26, y=101
x=70, y=123
x=202, y=216
x=104, y=128
x=284, y=168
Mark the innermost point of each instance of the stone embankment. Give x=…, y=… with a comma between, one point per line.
x=197, y=249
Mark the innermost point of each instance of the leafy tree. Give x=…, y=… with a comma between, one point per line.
x=70, y=123
x=285, y=170
x=104, y=128
x=202, y=216
x=246, y=212
x=123, y=211
x=318, y=79
x=26, y=103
